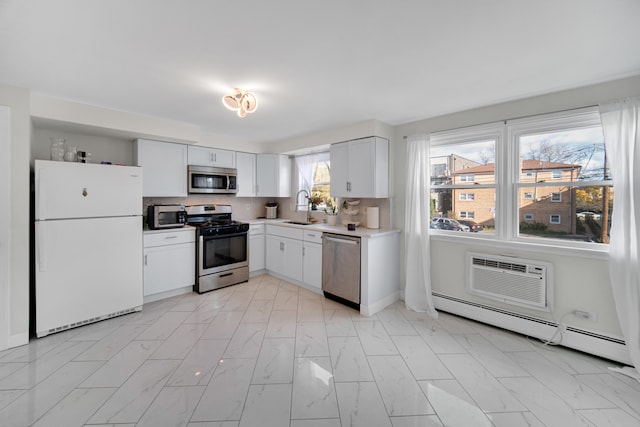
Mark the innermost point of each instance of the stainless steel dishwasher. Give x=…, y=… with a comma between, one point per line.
x=341, y=268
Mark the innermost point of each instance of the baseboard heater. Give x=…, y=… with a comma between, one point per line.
x=608, y=347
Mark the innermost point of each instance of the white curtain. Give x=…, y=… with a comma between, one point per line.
x=304, y=168
x=417, y=293
x=620, y=122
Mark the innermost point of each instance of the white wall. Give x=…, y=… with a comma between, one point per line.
x=582, y=282
x=17, y=100
x=117, y=150
x=94, y=120
x=5, y=223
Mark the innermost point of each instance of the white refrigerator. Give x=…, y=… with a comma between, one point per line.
x=88, y=243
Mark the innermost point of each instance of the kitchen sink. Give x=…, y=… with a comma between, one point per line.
x=298, y=222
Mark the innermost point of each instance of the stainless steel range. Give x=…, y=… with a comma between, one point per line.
x=222, y=247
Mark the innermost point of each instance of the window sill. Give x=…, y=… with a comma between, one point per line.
x=600, y=253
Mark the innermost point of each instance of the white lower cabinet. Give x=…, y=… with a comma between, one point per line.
x=295, y=254
x=312, y=264
x=284, y=257
x=256, y=248
x=169, y=261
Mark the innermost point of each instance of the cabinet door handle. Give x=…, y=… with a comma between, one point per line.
x=171, y=237
x=282, y=246
x=145, y=260
x=303, y=251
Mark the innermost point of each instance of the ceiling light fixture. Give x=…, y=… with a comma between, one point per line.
x=242, y=101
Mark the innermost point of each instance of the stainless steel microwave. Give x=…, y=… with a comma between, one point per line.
x=208, y=180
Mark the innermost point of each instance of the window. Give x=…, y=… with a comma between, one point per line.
x=471, y=177
x=555, y=164
x=314, y=176
x=566, y=152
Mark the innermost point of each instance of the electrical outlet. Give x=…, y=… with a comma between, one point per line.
x=588, y=315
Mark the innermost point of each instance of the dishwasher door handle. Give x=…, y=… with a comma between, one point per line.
x=346, y=241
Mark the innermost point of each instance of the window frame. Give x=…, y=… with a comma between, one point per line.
x=508, y=184
x=547, y=123
x=559, y=198
x=486, y=132
x=551, y=221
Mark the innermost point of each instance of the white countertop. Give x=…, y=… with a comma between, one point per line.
x=322, y=227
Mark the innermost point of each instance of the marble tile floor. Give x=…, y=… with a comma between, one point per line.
x=268, y=353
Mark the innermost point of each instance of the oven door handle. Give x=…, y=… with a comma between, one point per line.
x=219, y=236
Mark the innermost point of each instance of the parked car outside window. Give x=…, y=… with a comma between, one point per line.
x=451, y=222
x=474, y=227
x=444, y=226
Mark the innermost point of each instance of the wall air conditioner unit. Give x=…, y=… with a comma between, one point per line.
x=514, y=281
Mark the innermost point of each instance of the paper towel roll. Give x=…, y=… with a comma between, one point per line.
x=373, y=217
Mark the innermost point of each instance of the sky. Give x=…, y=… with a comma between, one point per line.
x=585, y=144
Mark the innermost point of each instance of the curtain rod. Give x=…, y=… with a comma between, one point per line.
x=515, y=118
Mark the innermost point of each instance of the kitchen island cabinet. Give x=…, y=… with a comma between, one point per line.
x=169, y=262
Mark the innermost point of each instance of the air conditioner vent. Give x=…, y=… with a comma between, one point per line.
x=510, y=280
x=522, y=268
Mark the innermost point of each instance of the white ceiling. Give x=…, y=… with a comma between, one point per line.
x=313, y=65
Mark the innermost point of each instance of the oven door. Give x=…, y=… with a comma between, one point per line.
x=224, y=252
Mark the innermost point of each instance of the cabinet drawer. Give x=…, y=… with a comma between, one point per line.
x=292, y=233
x=169, y=238
x=256, y=229
x=312, y=236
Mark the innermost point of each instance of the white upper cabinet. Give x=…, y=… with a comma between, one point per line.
x=205, y=156
x=273, y=175
x=360, y=168
x=164, y=168
x=246, y=165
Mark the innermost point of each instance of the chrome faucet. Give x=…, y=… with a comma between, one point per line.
x=298, y=205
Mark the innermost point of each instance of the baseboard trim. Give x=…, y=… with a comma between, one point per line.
x=167, y=294
x=16, y=340
x=608, y=347
x=370, y=310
